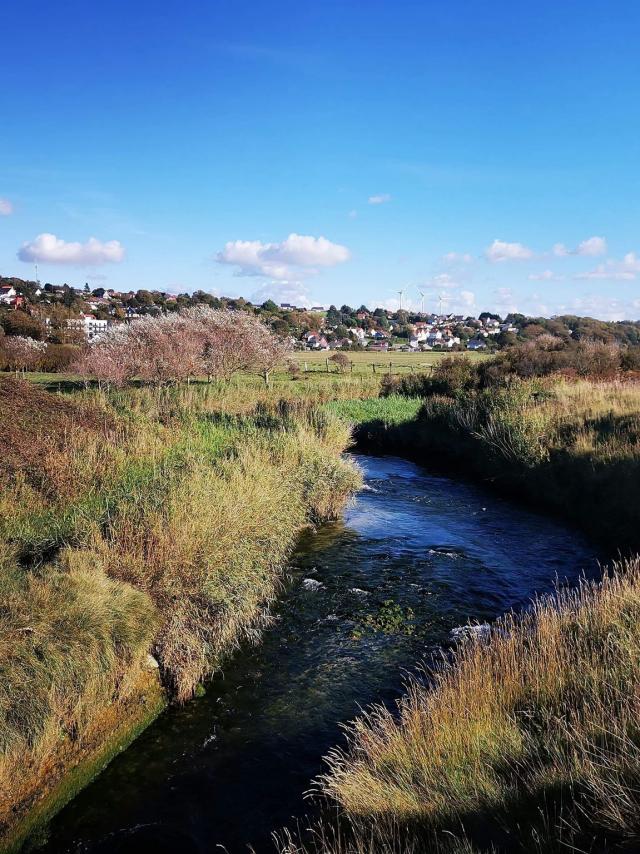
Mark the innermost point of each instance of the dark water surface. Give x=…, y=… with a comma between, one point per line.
x=228, y=768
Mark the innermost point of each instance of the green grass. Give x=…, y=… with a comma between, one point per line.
x=391, y=410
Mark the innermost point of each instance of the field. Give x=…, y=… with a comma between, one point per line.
x=363, y=361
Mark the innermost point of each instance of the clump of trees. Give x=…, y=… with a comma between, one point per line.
x=21, y=353
x=175, y=347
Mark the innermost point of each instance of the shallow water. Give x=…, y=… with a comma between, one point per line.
x=415, y=556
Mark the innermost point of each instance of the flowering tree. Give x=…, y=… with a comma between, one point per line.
x=21, y=353
x=173, y=348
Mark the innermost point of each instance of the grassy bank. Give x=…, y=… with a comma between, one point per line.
x=136, y=522
x=571, y=448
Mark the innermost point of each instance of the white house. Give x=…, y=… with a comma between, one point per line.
x=7, y=294
x=90, y=325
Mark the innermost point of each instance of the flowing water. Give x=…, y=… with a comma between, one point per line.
x=415, y=556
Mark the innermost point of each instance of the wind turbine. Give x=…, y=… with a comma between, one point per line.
x=422, y=295
x=400, y=295
x=442, y=299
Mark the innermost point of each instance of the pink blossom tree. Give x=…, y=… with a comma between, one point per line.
x=176, y=347
x=22, y=353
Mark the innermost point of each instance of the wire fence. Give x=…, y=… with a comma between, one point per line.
x=330, y=367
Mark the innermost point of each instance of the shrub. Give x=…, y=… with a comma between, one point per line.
x=341, y=361
x=452, y=376
x=58, y=358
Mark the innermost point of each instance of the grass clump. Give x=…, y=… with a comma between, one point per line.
x=71, y=639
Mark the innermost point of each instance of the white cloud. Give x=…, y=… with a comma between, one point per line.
x=457, y=257
x=443, y=280
x=380, y=199
x=605, y=308
x=505, y=301
x=502, y=251
x=592, y=246
x=545, y=276
x=52, y=250
x=292, y=292
x=603, y=271
x=279, y=260
x=625, y=270
x=6, y=207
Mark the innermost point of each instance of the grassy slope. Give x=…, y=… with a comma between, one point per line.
x=142, y=520
x=528, y=742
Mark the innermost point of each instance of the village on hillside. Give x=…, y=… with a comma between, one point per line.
x=62, y=318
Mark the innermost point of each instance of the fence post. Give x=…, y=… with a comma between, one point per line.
x=390, y=368
x=327, y=363
x=306, y=368
x=373, y=365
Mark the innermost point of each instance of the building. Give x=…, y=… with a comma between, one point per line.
x=7, y=294
x=88, y=324
x=476, y=344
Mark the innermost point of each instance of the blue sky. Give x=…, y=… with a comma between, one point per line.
x=327, y=152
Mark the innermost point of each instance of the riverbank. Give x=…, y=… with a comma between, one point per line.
x=569, y=448
x=132, y=523
x=527, y=739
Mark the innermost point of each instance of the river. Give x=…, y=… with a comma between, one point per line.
x=415, y=556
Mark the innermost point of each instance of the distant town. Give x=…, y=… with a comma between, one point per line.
x=66, y=317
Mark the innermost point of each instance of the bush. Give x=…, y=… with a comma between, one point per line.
x=57, y=358
x=341, y=361
x=452, y=376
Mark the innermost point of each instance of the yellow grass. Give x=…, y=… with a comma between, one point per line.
x=363, y=360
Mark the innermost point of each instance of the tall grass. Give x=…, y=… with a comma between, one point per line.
x=137, y=522
x=569, y=447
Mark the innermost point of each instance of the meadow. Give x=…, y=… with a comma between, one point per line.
x=364, y=361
